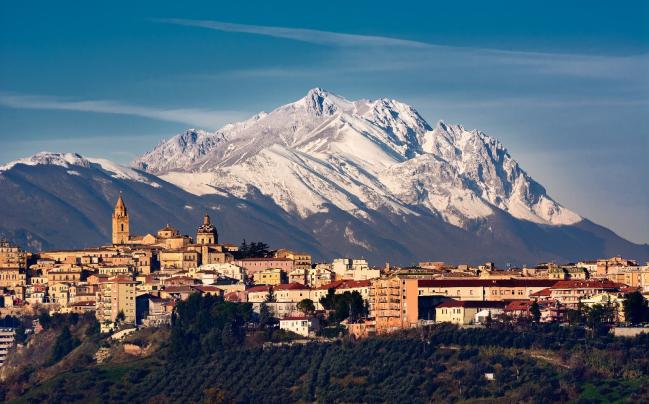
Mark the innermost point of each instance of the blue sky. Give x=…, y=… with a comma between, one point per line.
x=564, y=85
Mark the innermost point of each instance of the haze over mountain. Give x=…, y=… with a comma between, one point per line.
x=336, y=177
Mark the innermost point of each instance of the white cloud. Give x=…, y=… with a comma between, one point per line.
x=203, y=118
x=299, y=34
x=399, y=54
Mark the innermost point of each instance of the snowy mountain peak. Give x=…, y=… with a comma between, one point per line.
x=322, y=102
x=49, y=158
x=73, y=161
x=357, y=156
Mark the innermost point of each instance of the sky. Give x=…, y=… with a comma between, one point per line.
x=563, y=85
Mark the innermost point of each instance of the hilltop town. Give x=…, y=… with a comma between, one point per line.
x=137, y=280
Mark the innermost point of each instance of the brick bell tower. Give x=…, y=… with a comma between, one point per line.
x=120, y=222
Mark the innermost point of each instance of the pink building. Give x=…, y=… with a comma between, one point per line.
x=254, y=265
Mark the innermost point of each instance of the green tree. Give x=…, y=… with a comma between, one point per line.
x=635, y=308
x=535, y=311
x=270, y=297
x=253, y=249
x=265, y=317
x=120, y=317
x=228, y=336
x=357, y=307
x=45, y=320
x=259, y=250
x=328, y=301
x=63, y=345
x=93, y=327
x=306, y=306
x=597, y=317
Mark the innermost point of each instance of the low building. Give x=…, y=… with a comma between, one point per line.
x=570, y=293
x=301, y=260
x=254, y=265
x=355, y=269
x=615, y=301
x=178, y=259
x=519, y=309
x=464, y=312
x=227, y=270
x=304, y=326
x=484, y=289
x=274, y=276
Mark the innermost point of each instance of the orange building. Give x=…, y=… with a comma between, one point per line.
x=394, y=304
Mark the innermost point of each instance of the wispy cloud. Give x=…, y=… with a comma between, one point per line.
x=400, y=54
x=300, y=34
x=203, y=118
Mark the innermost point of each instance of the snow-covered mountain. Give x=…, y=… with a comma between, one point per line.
x=359, y=156
x=72, y=160
x=323, y=174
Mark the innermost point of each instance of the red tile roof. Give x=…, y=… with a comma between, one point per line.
x=232, y=297
x=472, y=304
x=120, y=279
x=291, y=286
x=294, y=318
x=590, y=284
x=206, y=288
x=507, y=283
x=516, y=305
x=178, y=289
x=346, y=284
x=264, y=259
x=542, y=293
x=260, y=288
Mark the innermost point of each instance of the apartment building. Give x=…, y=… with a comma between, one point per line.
x=7, y=339
x=116, y=295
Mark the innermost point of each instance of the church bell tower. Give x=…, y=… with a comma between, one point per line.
x=120, y=222
x=207, y=233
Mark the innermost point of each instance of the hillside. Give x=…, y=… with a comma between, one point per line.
x=528, y=363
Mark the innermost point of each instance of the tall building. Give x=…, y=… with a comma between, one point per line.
x=120, y=222
x=13, y=263
x=116, y=295
x=207, y=233
x=7, y=339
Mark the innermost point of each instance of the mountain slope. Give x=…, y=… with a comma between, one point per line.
x=323, y=174
x=358, y=156
x=66, y=201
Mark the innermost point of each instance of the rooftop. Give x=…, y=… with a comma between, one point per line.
x=472, y=304
x=507, y=283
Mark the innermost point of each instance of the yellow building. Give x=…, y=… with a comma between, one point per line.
x=612, y=299
x=274, y=276
x=301, y=260
x=64, y=273
x=464, y=312
x=59, y=293
x=116, y=295
x=170, y=238
x=178, y=259
x=13, y=262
